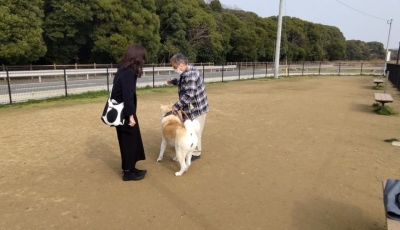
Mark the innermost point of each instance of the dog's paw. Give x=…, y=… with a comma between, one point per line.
x=159, y=159
x=175, y=159
x=178, y=174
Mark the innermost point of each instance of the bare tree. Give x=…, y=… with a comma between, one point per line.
x=198, y=36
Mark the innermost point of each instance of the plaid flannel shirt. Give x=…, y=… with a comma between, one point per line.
x=192, y=93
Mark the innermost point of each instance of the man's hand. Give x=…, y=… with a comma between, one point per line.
x=172, y=81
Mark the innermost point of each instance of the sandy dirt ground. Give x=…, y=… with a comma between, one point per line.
x=300, y=153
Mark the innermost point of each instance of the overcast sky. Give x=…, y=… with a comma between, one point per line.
x=367, y=21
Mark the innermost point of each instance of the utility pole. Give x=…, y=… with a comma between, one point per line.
x=278, y=40
x=387, y=45
x=398, y=52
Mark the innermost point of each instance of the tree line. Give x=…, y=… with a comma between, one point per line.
x=99, y=31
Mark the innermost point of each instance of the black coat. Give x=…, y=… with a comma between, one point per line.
x=124, y=90
x=129, y=138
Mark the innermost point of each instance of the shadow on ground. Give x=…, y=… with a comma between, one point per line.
x=320, y=213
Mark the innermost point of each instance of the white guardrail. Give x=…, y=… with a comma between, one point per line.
x=88, y=72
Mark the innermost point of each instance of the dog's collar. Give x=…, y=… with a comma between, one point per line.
x=169, y=113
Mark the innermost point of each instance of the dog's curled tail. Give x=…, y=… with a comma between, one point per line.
x=196, y=126
x=192, y=126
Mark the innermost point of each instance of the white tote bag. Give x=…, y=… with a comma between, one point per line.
x=113, y=113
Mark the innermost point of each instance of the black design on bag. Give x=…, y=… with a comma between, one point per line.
x=113, y=113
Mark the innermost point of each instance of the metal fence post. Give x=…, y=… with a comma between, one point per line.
x=153, y=75
x=319, y=71
x=222, y=72
x=240, y=63
x=254, y=66
x=387, y=78
x=397, y=76
x=302, y=69
x=9, y=86
x=362, y=64
x=65, y=82
x=108, y=81
x=340, y=64
x=203, y=72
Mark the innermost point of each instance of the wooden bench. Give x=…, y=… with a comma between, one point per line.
x=383, y=98
x=378, y=81
x=390, y=224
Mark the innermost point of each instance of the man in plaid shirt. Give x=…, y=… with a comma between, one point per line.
x=192, y=94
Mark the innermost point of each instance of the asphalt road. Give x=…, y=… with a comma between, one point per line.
x=31, y=87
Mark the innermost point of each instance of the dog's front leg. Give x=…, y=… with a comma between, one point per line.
x=162, y=149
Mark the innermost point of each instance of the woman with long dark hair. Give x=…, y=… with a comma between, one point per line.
x=124, y=90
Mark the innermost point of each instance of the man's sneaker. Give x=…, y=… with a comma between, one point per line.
x=195, y=157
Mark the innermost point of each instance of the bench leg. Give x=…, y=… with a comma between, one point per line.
x=383, y=104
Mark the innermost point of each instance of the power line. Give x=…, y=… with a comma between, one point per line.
x=361, y=11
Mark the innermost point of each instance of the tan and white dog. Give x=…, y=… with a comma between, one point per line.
x=182, y=136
